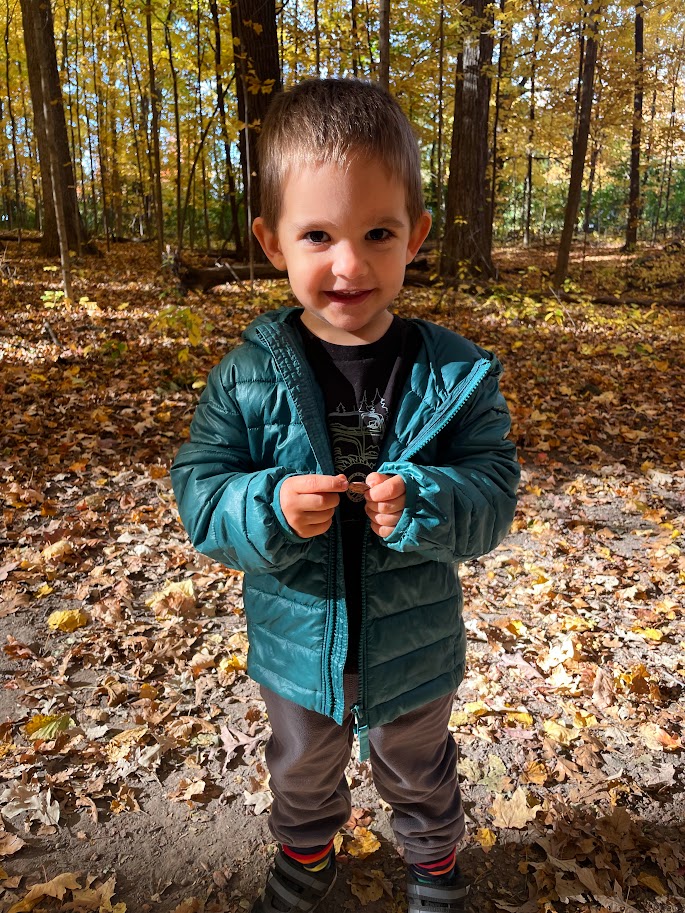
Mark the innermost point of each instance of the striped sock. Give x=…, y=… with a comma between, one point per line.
x=313, y=859
x=442, y=869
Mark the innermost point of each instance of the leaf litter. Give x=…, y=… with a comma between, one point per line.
x=132, y=772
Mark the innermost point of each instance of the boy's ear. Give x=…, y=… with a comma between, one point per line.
x=269, y=242
x=418, y=235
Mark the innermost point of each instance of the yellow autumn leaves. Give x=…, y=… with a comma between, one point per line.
x=87, y=898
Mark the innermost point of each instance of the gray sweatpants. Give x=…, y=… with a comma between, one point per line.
x=414, y=766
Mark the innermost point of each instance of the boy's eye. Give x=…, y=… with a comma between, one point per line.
x=317, y=237
x=379, y=234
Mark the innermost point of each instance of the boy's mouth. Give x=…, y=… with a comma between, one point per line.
x=348, y=296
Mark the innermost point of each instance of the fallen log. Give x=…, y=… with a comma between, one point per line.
x=203, y=279
x=613, y=300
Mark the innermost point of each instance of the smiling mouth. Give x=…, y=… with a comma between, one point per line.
x=353, y=296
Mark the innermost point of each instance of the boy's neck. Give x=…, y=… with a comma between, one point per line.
x=340, y=337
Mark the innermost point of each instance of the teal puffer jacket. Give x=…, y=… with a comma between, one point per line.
x=260, y=419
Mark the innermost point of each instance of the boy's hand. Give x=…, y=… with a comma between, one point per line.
x=385, y=502
x=308, y=502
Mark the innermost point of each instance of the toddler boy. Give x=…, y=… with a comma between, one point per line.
x=347, y=460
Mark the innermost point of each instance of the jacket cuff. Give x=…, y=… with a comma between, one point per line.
x=287, y=530
x=407, y=515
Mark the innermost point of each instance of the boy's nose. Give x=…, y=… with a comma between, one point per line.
x=349, y=262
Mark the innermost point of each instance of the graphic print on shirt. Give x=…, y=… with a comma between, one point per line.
x=357, y=434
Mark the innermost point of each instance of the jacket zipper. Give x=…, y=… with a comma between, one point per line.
x=361, y=728
x=471, y=384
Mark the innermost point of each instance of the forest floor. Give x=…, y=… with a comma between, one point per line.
x=131, y=741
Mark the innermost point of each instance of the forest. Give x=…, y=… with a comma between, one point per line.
x=552, y=135
x=570, y=122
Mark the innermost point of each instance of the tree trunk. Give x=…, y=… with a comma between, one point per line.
x=496, y=159
x=634, y=197
x=46, y=96
x=531, y=126
x=138, y=124
x=156, y=157
x=384, y=44
x=19, y=203
x=255, y=51
x=468, y=225
x=220, y=95
x=439, y=172
x=580, y=144
x=36, y=21
x=317, y=39
x=100, y=105
x=355, y=38
x=177, y=125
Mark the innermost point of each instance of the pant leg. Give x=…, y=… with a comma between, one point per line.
x=307, y=755
x=414, y=764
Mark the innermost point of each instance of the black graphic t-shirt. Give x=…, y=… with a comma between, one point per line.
x=361, y=386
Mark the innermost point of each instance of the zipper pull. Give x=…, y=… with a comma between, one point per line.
x=361, y=730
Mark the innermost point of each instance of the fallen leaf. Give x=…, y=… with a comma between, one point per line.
x=559, y=733
x=47, y=727
x=56, y=888
x=368, y=886
x=657, y=739
x=652, y=882
x=363, y=844
x=9, y=843
x=68, y=620
x=486, y=838
x=40, y=806
x=513, y=812
x=259, y=801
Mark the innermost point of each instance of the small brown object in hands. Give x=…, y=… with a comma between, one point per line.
x=358, y=487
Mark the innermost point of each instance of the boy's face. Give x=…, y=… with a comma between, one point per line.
x=345, y=238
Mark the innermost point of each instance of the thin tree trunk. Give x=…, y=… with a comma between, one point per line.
x=384, y=44
x=355, y=38
x=177, y=126
x=439, y=170
x=13, y=128
x=156, y=157
x=594, y=158
x=580, y=144
x=89, y=134
x=634, y=197
x=220, y=94
x=99, y=119
x=33, y=153
x=495, y=125
x=137, y=125
x=317, y=39
x=369, y=39
x=671, y=145
x=531, y=125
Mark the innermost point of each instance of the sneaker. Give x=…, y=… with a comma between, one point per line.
x=443, y=896
x=290, y=888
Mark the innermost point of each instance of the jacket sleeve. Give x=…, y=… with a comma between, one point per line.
x=230, y=509
x=463, y=508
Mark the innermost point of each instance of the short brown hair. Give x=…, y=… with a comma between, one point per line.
x=330, y=120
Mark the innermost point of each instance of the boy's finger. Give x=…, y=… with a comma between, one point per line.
x=316, y=484
x=327, y=500
x=384, y=488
